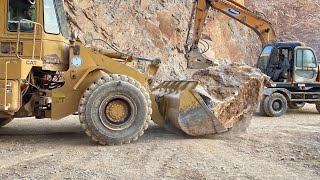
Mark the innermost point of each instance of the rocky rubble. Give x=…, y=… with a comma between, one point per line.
x=235, y=89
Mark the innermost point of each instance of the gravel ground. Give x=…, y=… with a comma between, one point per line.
x=274, y=148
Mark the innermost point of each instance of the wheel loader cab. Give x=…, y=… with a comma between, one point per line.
x=34, y=45
x=35, y=31
x=19, y=10
x=289, y=62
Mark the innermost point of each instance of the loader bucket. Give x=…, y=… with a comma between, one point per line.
x=184, y=105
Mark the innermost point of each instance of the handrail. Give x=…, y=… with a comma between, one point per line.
x=34, y=37
x=6, y=107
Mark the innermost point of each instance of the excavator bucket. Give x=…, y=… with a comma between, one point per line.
x=186, y=106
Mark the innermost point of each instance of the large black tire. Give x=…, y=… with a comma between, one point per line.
x=115, y=110
x=318, y=107
x=261, y=109
x=296, y=105
x=275, y=105
x=5, y=121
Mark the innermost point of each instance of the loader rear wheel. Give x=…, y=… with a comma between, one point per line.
x=296, y=105
x=318, y=107
x=5, y=121
x=275, y=105
x=115, y=110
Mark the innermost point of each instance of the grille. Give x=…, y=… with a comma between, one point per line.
x=9, y=48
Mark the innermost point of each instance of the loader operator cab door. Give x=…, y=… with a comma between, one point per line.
x=18, y=10
x=49, y=45
x=306, y=66
x=54, y=20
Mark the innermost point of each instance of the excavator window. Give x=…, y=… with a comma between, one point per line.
x=306, y=58
x=18, y=10
x=264, y=58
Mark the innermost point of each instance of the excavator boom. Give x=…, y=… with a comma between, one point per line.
x=252, y=19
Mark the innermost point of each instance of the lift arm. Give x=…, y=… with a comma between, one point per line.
x=251, y=19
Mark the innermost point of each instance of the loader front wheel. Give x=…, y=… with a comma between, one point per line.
x=275, y=105
x=5, y=121
x=115, y=110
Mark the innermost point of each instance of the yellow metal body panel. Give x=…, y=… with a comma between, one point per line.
x=51, y=45
x=10, y=96
x=77, y=79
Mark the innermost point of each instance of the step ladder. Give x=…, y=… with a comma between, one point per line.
x=4, y=89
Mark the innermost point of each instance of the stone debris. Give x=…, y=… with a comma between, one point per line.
x=235, y=90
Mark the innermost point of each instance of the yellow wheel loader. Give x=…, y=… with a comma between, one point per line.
x=44, y=73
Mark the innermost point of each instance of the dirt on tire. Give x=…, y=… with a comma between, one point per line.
x=98, y=126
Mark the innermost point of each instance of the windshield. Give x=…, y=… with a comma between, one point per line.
x=264, y=57
x=18, y=10
x=54, y=18
x=50, y=18
x=62, y=18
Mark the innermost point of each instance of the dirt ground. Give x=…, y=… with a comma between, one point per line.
x=274, y=148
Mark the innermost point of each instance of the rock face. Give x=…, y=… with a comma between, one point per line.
x=292, y=20
x=158, y=29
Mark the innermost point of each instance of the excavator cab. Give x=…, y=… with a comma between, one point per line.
x=289, y=62
x=294, y=71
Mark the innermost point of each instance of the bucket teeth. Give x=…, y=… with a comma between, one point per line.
x=185, y=106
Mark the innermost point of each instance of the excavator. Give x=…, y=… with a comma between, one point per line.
x=292, y=66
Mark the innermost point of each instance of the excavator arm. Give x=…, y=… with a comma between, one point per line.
x=253, y=20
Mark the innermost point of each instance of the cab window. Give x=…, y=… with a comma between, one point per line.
x=18, y=10
x=306, y=58
x=264, y=57
x=51, y=25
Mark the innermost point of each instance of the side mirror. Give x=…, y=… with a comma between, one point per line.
x=74, y=36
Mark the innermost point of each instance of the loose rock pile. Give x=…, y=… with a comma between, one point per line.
x=235, y=89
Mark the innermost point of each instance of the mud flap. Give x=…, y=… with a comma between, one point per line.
x=186, y=106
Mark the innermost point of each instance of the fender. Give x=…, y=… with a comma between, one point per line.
x=89, y=70
x=269, y=91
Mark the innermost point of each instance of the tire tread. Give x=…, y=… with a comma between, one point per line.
x=88, y=93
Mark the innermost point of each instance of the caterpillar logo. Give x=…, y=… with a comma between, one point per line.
x=31, y=62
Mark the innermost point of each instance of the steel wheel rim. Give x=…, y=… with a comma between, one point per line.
x=277, y=105
x=114, y=120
